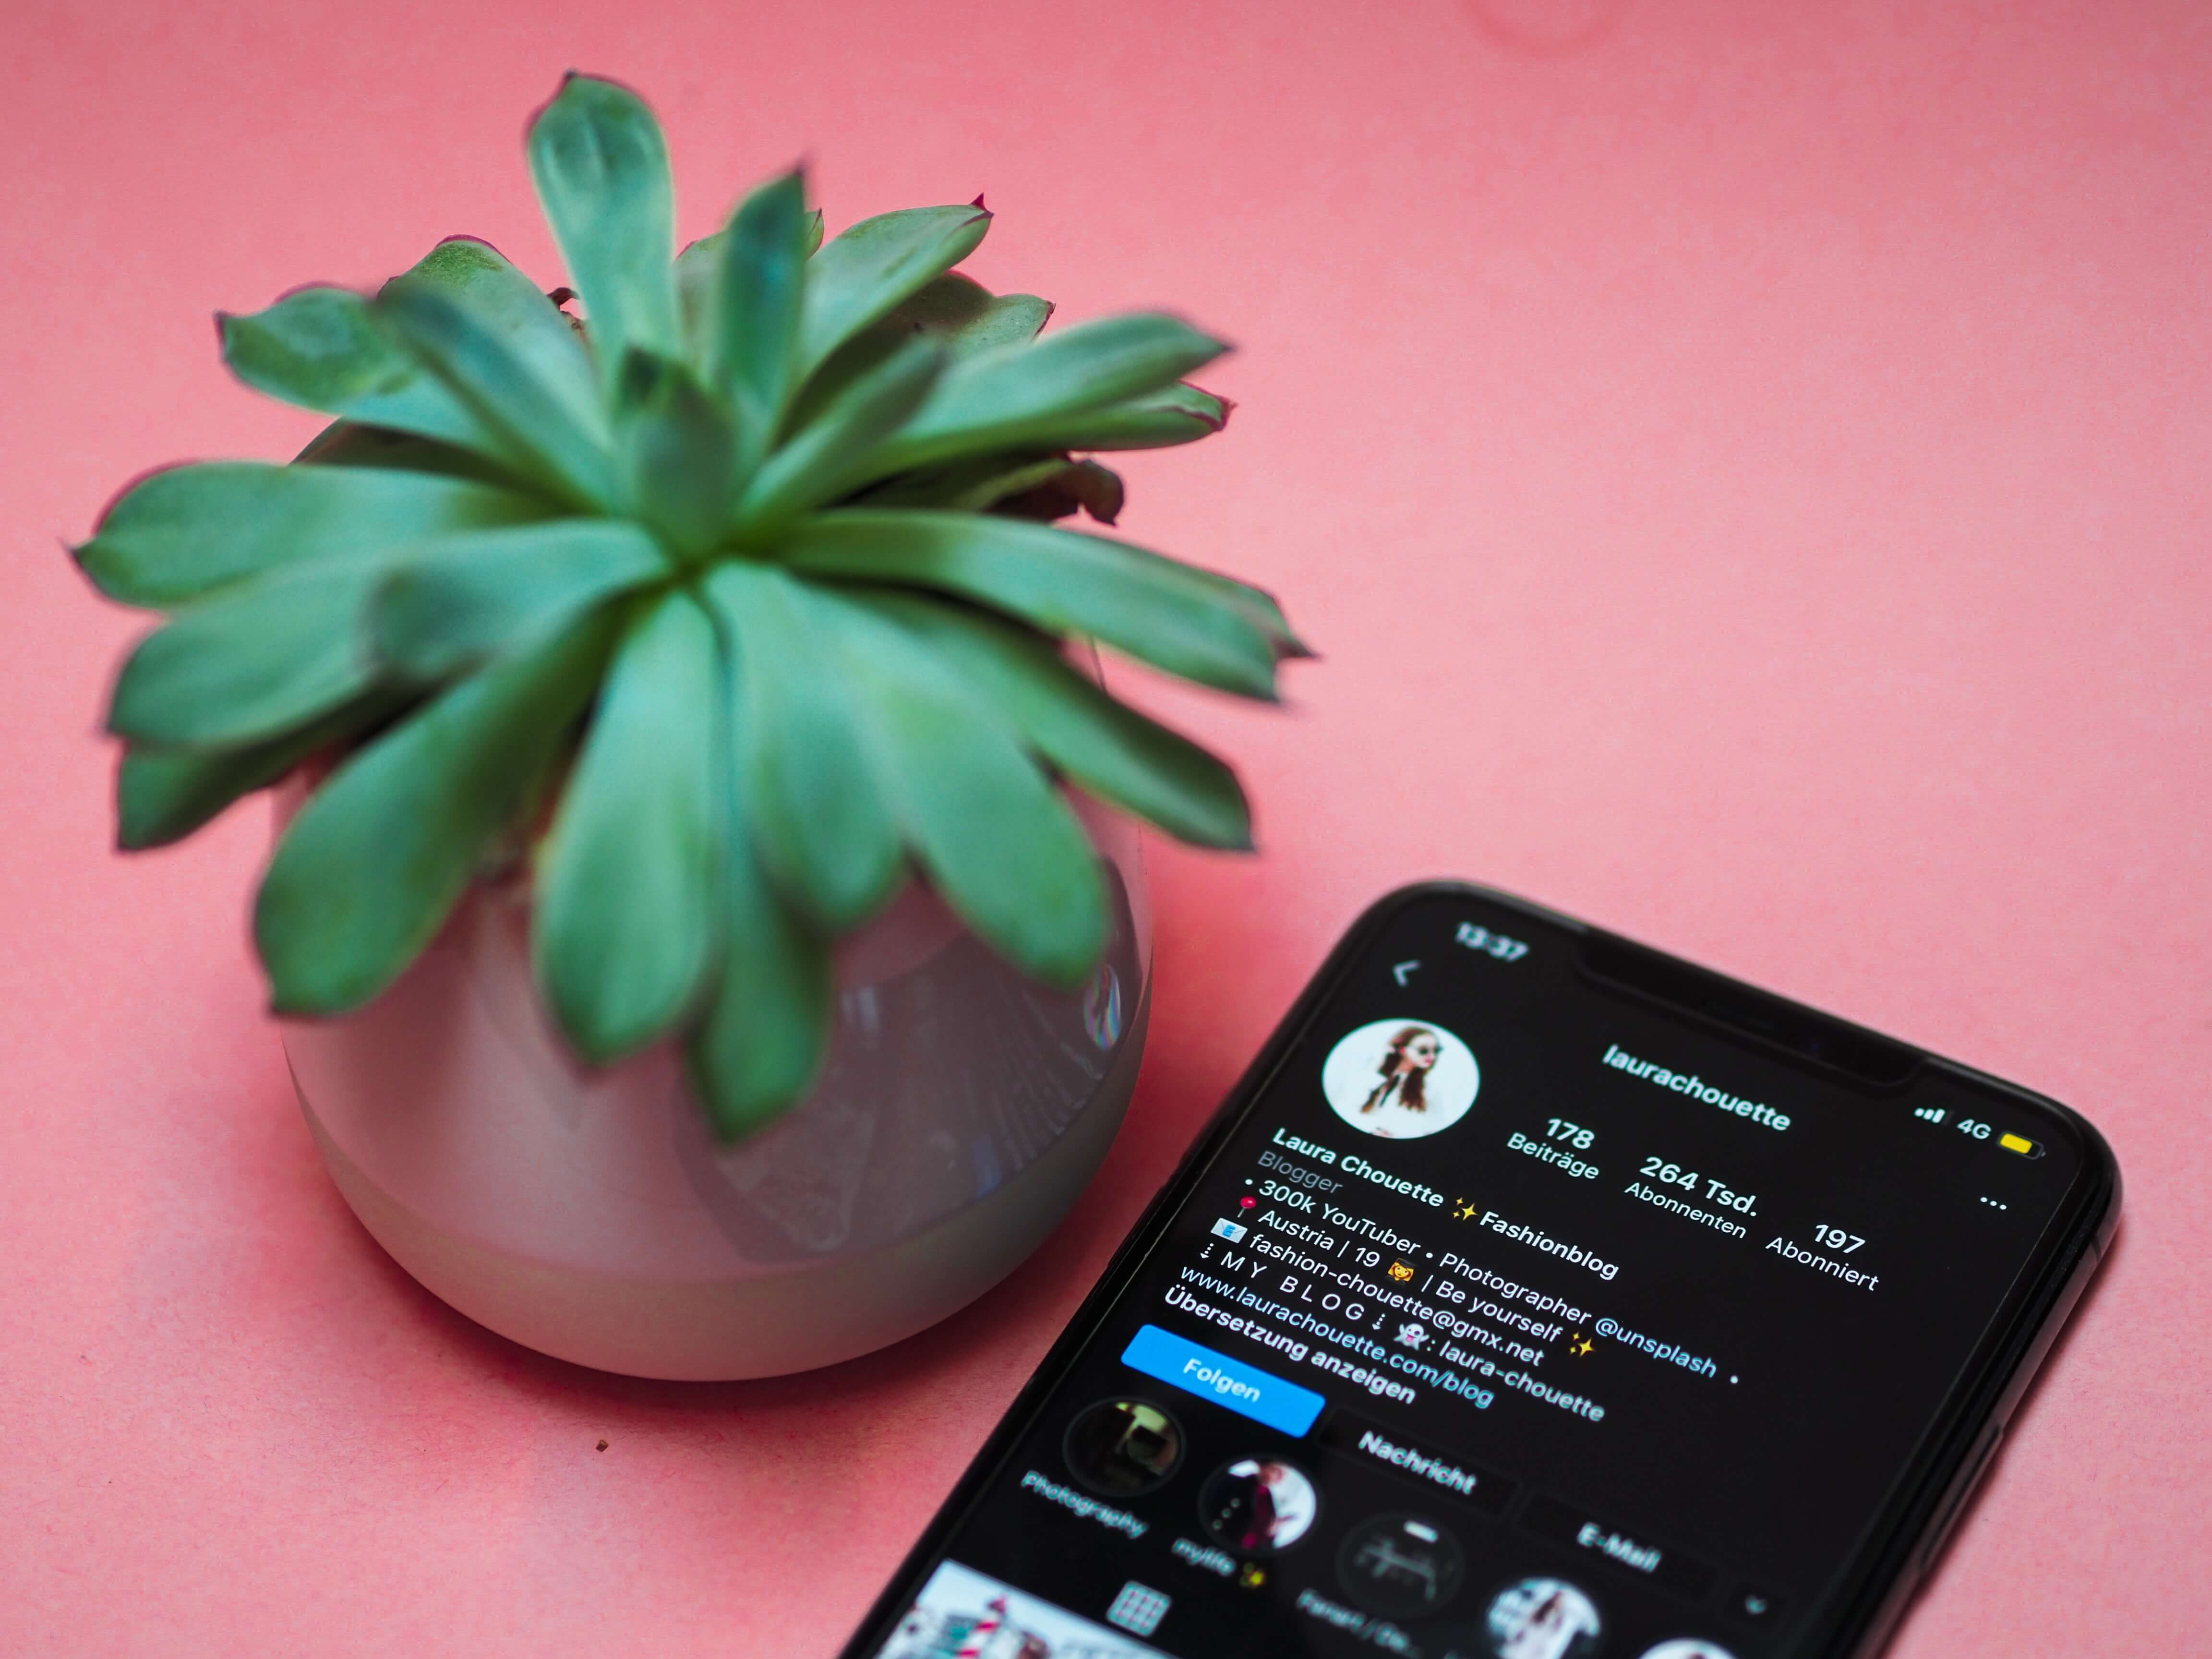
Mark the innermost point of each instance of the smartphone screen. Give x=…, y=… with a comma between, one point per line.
x=1535, y=1297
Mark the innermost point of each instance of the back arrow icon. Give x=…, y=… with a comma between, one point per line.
x=1403, y=969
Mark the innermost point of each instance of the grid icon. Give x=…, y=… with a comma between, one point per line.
x=1138, y=1609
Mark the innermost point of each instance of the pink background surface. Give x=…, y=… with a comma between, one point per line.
x=1746, y=467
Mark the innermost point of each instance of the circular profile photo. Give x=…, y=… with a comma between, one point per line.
x=1687, y=1647
x=1542, y=1619
x=1124, y=1448
x=1400, y=1079
x=1259, y=1505
x=1402, y=1566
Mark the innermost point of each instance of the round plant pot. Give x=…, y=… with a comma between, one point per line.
x=593, y=1216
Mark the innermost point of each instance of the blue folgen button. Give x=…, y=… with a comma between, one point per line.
x=1226, y=1381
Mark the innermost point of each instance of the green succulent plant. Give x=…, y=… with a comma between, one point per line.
x=732, y=604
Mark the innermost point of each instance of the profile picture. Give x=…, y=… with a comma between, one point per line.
x=1259, y=1505
x=1400, y=1079
x=1124, y=1448
x=1687, y=1647
x=1402, y=1566
x=1543, y=1619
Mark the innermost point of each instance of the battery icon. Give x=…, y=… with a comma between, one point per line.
x=2021, y=1145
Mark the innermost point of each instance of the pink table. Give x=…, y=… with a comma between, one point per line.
x=1746, y=466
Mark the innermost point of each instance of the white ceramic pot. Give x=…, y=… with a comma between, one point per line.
x=593, y=1217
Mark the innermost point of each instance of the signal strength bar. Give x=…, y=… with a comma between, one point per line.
x=1933, y=1113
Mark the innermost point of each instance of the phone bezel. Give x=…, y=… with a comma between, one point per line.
x=1934, y=1488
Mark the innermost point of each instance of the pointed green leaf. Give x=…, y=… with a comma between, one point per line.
x=367, y=872
x=997, y=840
x=1050, y=487
x=1085, y=484
x=473, y=271
x=956, y=312
x=1160, y=420
x=446, y=605
x=1187, y=620
x=324, y=349
x=1052, y=490
x=763, y=270
x=601, y=168
x=162, y=795
x=349, y=443
x=1107, y=747
x=698, y=276
x=627, y=885
x=968, y=486
x=189, y=530
x=867, y=268
x=1016, y=398
x=759, y=1044
x=515, y=363
x=817, y=462
x=817, y=814
x=678, y=452
x=252, y=662
x=968, y=316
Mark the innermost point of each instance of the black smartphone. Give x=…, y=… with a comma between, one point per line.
x=1535, y=1294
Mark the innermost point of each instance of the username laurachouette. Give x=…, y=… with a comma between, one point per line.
x=1689, y=1082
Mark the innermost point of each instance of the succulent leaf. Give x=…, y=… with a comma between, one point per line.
x=967, y=316
x=518, y=367
x=1187, y=620
x=626, y=896
x=189, y=530
x=1178, y=414
x=762, y=271
x=1084, y=484
x=1104, y=745
x=162, y=795
x=1051, y=486
x=252, y=662
x=471, y=269
x=376, y=860
x=679, y=453
x=758, y=1044
x=1002, y=400
x=441, y=607
x=816, y=809
x=822, y=459
x=698, y=276
x=349, y=443
x=958, y=311
x=601, y=168
x=999, y=843
x=865, y=270
x=324, y=349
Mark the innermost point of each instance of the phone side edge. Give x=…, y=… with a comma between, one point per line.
x=1892, y=1576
